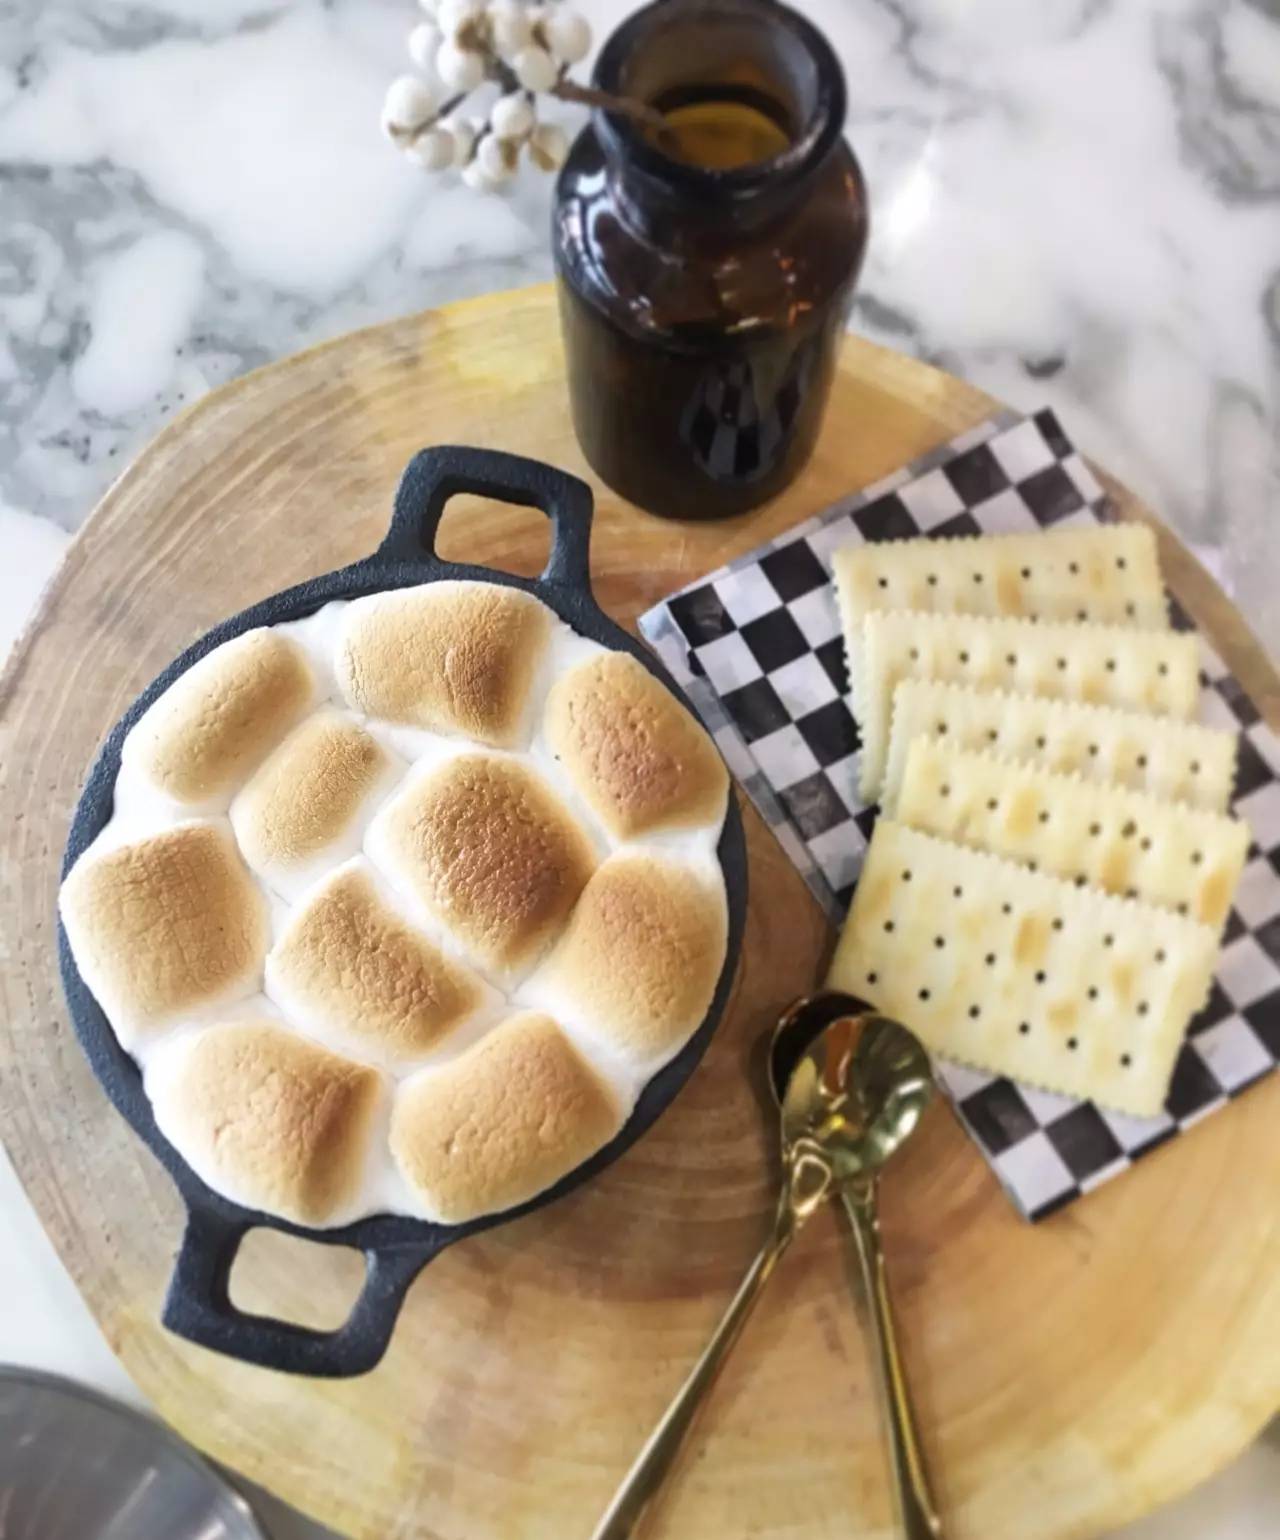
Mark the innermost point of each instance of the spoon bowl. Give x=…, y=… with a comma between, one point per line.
x=850, y=1080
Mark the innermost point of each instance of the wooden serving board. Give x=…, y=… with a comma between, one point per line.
x=1069, y=1377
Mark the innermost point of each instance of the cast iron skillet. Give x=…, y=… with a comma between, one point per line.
x=198, y=1305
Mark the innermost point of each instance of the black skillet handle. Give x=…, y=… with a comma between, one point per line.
x=433, y=476
x=198, y=1306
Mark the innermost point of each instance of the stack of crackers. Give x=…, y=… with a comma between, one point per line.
x=1046, y=885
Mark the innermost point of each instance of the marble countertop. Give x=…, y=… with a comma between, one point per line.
x=1075, y=203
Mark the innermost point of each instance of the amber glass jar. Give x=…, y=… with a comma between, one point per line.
x=706, y=270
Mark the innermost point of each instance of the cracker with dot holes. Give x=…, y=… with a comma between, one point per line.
x=1107, y=573
x=1022, y=974
x=1120, y=841
x=1156, y=671
x=1178, y=761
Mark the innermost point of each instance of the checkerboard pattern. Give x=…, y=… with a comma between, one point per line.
x=757, y=645
x=724, y=427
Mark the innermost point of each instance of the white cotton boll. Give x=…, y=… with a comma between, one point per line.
x=408, y=104
x=548, y=146
x=461, y=69
x=535, y=69
x=455, y=16
x=496, y=158
x=424, y=40
x=567, y=35
x=510, y=28
x=476, y=177
x=512, y=116
x=464, y=132
x=433, y=149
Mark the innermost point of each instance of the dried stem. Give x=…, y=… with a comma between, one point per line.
x=404, y=136
x=627, y=106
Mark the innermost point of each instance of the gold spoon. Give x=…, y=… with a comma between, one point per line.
x=851, y=1086
x=858, y=1083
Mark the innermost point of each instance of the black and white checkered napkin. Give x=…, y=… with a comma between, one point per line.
x=758, y=647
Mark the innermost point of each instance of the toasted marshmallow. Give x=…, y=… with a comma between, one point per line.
x=307, y=808
x=166, y=928
x=451, y=657
x=218, y=721
x=269, y=1119
x=502, y=1122
x=485, y=846
x=631, y=750
x=351, y=972
x=637, y=966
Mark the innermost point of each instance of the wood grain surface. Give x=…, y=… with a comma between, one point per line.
x=1069, y=1376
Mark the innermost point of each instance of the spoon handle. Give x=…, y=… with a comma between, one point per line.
x=645, y=1478
x=919, y=1513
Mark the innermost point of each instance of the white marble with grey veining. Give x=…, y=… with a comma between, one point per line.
x=1074, y=202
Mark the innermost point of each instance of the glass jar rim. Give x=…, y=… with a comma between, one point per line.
x=621, y=134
